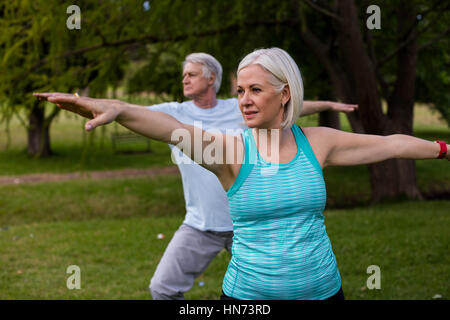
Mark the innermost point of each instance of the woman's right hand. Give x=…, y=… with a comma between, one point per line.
x=100, y=111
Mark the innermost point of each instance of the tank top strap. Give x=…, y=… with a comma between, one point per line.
x=303, y=143
x=248, y=162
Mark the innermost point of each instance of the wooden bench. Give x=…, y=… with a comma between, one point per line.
x=128, y=142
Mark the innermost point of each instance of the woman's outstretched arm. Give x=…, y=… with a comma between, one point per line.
x=338, y=148
x=194, y=142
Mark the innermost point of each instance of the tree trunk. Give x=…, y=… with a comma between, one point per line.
x=401, y=110
x=393, y=178
x=329, y=119
x=38, y=133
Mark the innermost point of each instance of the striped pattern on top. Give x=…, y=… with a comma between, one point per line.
x=280, y=246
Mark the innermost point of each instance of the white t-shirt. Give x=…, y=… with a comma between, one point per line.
x=206, y=201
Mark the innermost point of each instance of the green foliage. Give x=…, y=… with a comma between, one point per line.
x=39, y=53
x=161, y=73
x=433, y=82
x=226, y=29
x=433, y=77
x=230, y=29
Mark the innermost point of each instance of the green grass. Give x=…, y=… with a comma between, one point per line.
x=116, y=258
x=76, y=150
x=74, y=158
x=407, y=240
x=89, y=199
x=109, y=229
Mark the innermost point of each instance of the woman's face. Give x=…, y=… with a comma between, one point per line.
x=260, y=104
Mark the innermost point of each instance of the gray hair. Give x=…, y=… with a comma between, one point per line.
x=209, y=65
x=284, y=71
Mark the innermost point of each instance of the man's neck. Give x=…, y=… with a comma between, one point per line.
x=206, y=101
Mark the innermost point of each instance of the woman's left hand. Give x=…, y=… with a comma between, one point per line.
x=101, y=111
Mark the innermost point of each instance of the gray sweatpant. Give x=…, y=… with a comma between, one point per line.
x=186, y=257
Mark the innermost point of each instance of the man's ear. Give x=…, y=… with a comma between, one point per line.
x=212, y=79
x=285, y=95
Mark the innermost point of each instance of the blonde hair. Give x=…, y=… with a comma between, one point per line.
x=283, y=71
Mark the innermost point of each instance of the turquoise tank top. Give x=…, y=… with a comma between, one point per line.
x=280, y=246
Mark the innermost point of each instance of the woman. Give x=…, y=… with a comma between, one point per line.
x=274, y=180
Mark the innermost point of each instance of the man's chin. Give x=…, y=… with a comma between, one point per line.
x=188, y=95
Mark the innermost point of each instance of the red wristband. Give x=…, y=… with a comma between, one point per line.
x=443, y=151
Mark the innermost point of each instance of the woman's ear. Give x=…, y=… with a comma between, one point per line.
x=285, y=95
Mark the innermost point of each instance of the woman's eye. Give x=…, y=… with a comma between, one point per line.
x=256, y=89
x=240, y=91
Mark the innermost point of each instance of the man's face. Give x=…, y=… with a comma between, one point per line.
x=194, y=84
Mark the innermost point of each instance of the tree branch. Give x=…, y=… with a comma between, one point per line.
x=381, y=80
x=323, y=10
x=156, y=39
x=434, y=40
x=51, y=116
x=409, y=34
x=411, y=37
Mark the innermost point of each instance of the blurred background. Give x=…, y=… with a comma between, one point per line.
x=390, y=57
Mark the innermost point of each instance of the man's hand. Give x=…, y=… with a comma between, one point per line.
x=342, y=107
x=310, y=107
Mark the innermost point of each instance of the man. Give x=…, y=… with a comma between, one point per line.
x=207, y=228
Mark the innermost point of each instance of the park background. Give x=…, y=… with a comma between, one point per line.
x=394, y=215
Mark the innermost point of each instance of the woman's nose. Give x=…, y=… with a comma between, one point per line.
x=245, y=99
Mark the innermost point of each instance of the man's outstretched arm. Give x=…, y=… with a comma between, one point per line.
x=310, y=107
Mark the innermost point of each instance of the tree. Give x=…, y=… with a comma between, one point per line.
x=40, y=51
x=362, y=66
x=24, y=38
x=339, y=56
x=371, y=74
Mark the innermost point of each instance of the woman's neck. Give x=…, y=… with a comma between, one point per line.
x=272, y=143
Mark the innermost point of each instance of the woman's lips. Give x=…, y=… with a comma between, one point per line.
x=250, y=114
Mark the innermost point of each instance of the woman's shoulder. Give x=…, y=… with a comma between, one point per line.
x=321, y=137
x=318, y=131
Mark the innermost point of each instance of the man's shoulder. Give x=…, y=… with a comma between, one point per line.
x=229, y=101
x=229, y=105
x=173, y=108
x=165, y=105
